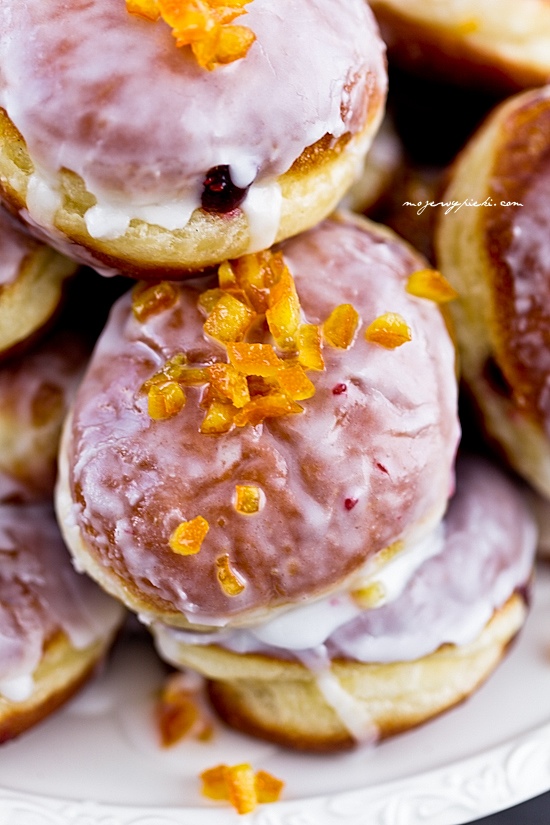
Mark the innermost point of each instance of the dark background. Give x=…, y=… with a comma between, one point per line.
x=534, y=812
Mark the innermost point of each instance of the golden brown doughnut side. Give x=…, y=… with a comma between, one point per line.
x=59, y=676
x=311, y=189
x=280, y=701
x=33, y=283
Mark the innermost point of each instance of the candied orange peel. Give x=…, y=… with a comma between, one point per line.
x=430, y=284
x=179, y=714
x=187, y=538
x=152, y=299
x=340, y=327
x=239, y=785
x=248, y=499
x=255, y=315
x=204, y=25
x=389, y=331
x=230, y=582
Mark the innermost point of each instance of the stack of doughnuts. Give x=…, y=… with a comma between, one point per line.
x=259, y=461
x=341, y=521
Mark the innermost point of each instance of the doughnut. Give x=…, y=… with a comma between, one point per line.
x=330, y=675
x=207, y=476
x=56, y=626
x=35, y=393
x=125, y=150
x=499, y=45
x=32, y=279
x=496, y=257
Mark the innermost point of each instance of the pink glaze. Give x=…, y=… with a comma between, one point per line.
x=388, y=442
x=487, y=553
x=41, y=594
x=36, y=391
x=528, y=262
x=14, y=247
x=110, y=96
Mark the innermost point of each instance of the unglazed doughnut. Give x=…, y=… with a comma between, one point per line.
x=36, y=390
x=55, y=624
x=497, y=258
x=32, y=277
x=117, y=146
x=368, y=456
x=330, y=675
x=501, y=45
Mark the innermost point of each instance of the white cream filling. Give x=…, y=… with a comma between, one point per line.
x=308, y=626
x=18, y=689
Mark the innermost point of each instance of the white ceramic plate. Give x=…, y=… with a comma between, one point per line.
x=97, y=762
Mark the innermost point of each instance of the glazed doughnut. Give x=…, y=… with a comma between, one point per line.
x=192, y=166
x=32, y=278
x=500, y=45
x=36, y=390
x=364, y=448
x=331, y=675
x=56, y=625
x=496, y=257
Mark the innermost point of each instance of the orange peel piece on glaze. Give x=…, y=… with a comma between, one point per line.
x=340, y=327
x=203, y=25
x=218, y=418
x=389, y=331
x=230, y=582
x=187, y=538
x=283, y=315
x=152, y=299
x=229, y=319
x=229, y=383
x=165, y=401
x=310, y=347
x=254, y=359
x=294, y=382
x=273, y=405
x=248, y=499
x=432, y=285
x=148, y=9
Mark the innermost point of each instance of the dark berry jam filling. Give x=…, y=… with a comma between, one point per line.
x=219, y=193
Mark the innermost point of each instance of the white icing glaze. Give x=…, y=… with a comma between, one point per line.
x=40, y=594
x=488, y=553
x=388, y=441
x=527, y=258
x=109, y=96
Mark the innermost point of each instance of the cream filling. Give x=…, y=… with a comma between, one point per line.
x=109, y=220
x=308, y=626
